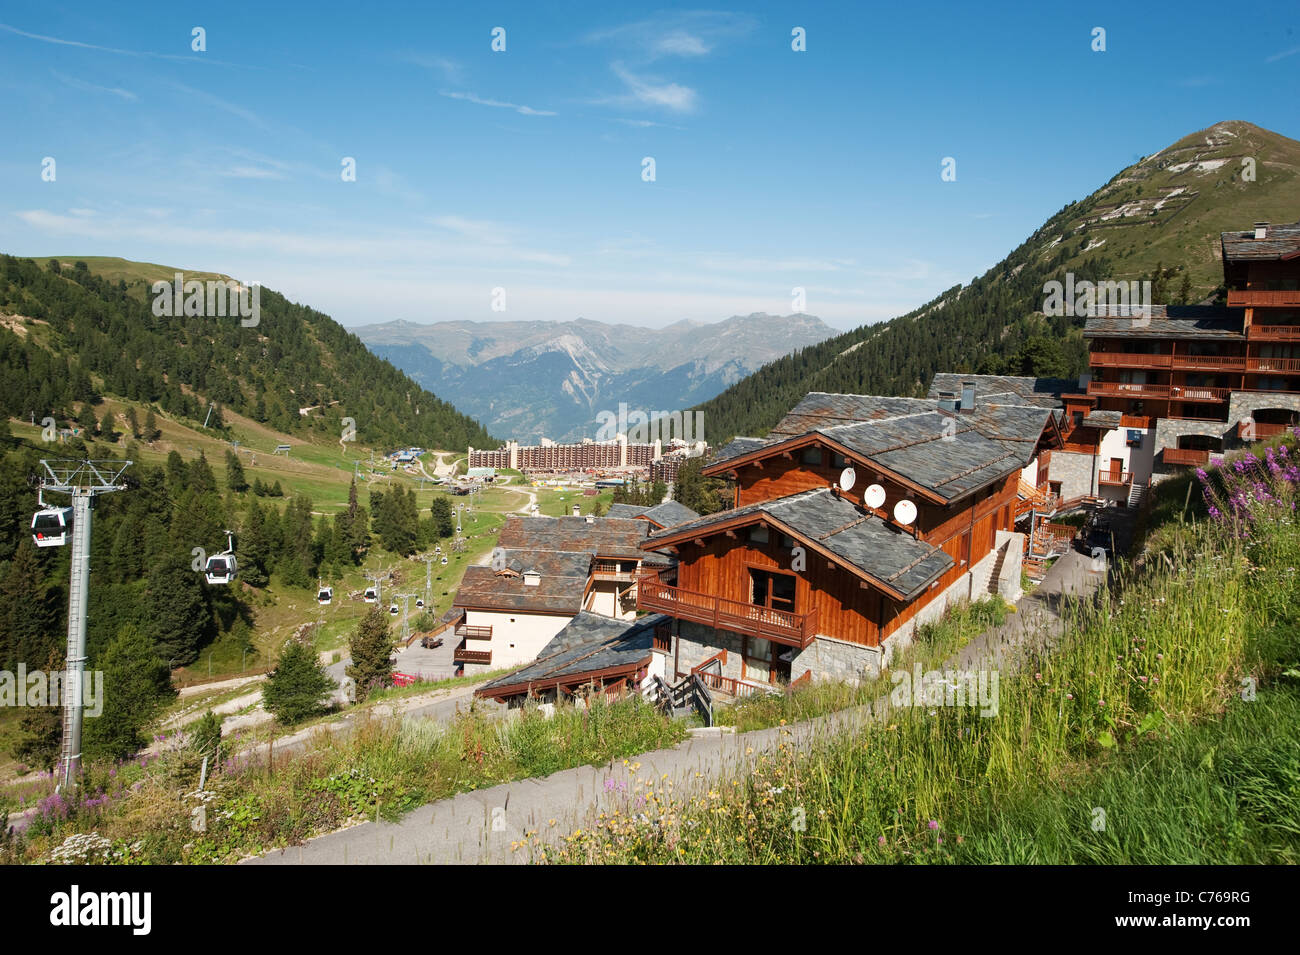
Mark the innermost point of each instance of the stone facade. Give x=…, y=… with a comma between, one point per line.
x=830, y=659
x=1243, y=404
x=1076, y=472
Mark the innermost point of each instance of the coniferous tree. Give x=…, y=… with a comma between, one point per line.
x=178, y=618
x=442, y=516
x=137, y=686
x=371, y=647
x=151, y=431
x=235, y=479
x=294, y=690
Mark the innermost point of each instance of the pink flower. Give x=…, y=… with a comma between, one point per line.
x=934, y=824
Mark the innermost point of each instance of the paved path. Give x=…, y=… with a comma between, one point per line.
x=479, y=827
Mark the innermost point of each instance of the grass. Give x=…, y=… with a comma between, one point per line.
x=933, y=643
x=384, y=768
x=1130, y=743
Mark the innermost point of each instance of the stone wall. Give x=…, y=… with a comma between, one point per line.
x=830, y=659
x=1075, y=471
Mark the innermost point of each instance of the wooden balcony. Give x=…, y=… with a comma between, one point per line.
x=1136, y=421
x=1114, y=478
x=472, y=656
x=662, y=640
x=1102, y=359
x=1281, y=366
x=1260, y=430
x=1193, y=456
x=781, y=626
x=624, y=571
x=1274, y=333
x=1262, y=298
x=467, y=632
x=1209, y=362
x=1126, y=389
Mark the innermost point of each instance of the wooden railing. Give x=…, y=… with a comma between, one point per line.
x=783, y=626
x=469, y=632
x=1280, y=365
x=1110, y=478
x=1285, y=333
x=1031, y=498
x=453, y=622
x=1136, y=421
x=1262, y=298
x=472, y=656
x=1259, y=430
x=1175, y=392
x=1185, y=456
x=662, y=639
x=1102, y=359
x=613, y=569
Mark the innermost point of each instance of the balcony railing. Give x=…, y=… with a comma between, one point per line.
x=472, y=656
x=468, y=632
x=782, y=626
x=1280, y=365
x=1114, y=478
x=1174, y=392
x=662, y=640
x=1101, y=359
x=1136, y=421
x=1259, y=430
x=1262, y=298
x=1210, y=362
x=614, y=570
x=1280, y=333
x=1195, y=456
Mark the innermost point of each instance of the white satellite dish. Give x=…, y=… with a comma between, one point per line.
x=847, y=477
x=874, y=496
x=904, y=512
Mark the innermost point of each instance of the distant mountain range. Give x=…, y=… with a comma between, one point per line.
x=525, y=380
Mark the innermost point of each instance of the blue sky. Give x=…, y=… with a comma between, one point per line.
x=522, y=169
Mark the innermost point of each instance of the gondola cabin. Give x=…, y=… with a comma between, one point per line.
x=370, y=596
x=393, y=610
x=325, y=596
x=221, y=568
x=51, y=526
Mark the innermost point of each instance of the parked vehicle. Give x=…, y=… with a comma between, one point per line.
x=431, y=642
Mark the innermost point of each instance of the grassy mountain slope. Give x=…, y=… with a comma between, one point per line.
x=1166, y=210
x=71, y=334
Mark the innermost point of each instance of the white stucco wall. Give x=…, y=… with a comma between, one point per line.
x=516, y=637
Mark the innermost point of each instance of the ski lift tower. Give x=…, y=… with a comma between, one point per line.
x=84, y=481
x=406, y=614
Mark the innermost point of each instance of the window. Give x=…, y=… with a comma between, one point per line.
x=1078, y=418
x=787, y=541
x=839, y=461
x=758, y=534
x=770, y=589
x=812, y=456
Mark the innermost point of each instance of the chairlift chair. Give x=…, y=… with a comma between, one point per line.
x=51, y=525
x=222, y=568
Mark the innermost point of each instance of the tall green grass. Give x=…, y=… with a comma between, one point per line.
x=1138, y=713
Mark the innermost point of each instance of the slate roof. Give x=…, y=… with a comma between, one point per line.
x=1103, y=419
x=626, y=510
x=1006, y=389
x=589, y=643
x=949, y=454
x=1168, y=321
x=669, y=513
x=563, y=580
x=850, y=533
x=1279, y=242
x=603, y=536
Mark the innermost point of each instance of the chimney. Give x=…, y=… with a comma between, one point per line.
x=575, y=510
x=968, y=396
x=1261, y=230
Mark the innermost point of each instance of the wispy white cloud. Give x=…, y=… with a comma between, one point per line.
x=650, y=91
x=92, y=87
x=251, y=172
x=1283, y=55
x=499, y=104
x=451, y=71
x=216, y=102
x=60, y=41
x=691, y=33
